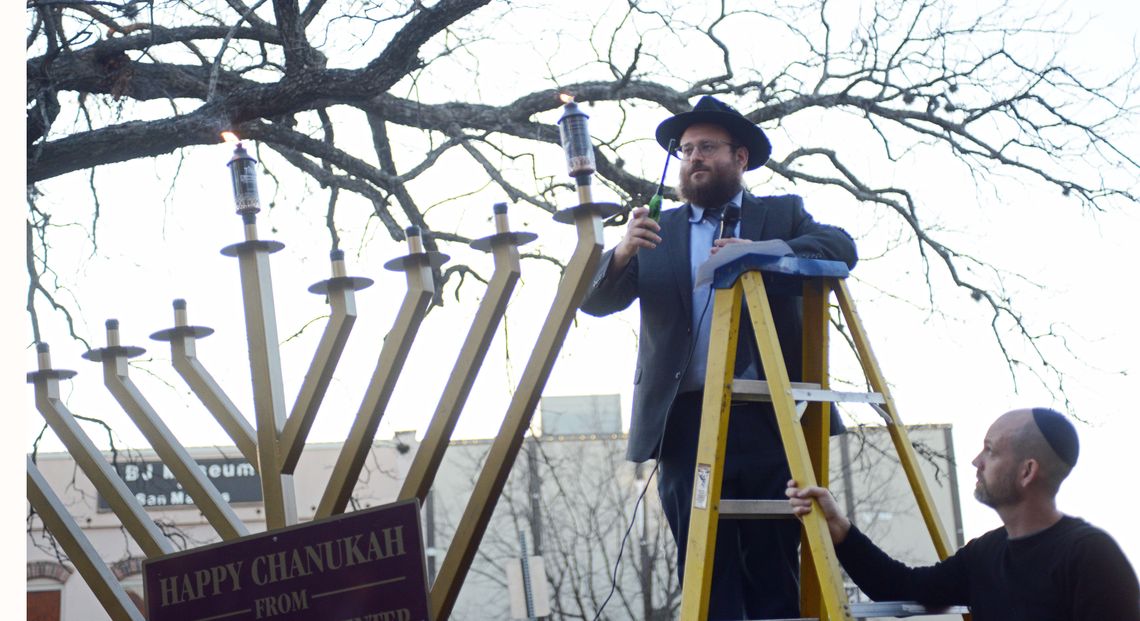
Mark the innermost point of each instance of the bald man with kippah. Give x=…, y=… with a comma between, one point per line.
x=1042, y=565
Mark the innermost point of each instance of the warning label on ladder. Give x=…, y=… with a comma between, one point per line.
x=701, y=489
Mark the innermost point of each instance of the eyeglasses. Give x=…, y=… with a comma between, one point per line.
x=706, y=148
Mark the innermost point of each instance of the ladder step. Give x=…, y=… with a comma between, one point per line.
x=757, y=390
x=736, y=509
x=863, y=610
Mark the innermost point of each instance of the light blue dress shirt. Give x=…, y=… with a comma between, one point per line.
x=702, y=232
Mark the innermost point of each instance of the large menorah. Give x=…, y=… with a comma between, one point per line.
x=277, y=438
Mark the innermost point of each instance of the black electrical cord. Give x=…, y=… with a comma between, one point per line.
x=657, y=462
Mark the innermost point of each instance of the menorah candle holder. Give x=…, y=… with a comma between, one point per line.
x=417, y=266
x=114, y=357
x=503, y=244
x=183, y=339
x=575, y=135
x=340, y=293
x=587, y=219
x=265, y=369
x=142, y=529
x=275, y=442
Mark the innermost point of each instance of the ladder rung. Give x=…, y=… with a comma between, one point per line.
x=757, y=390
x=737, y=509
x=863, y=610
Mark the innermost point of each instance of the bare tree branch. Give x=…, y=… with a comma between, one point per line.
x=991, y=91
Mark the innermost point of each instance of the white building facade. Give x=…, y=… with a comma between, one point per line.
x=570, y=499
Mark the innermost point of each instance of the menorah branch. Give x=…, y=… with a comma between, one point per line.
x=340, y=290
x=183, y=356
x=138, y=524
x=114, y=359
x=80, y=552
x=417, y=266
x=571, y=290
x=265, y=370
x=504, y=246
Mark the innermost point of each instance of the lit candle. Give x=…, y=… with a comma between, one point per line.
x=244, y=176
x=576, y=142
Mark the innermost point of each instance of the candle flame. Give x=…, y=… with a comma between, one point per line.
x=230, y=138
x=566, y=97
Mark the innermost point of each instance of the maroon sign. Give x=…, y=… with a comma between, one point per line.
x=363, y=566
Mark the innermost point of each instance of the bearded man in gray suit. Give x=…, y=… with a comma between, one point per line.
x=756, y=567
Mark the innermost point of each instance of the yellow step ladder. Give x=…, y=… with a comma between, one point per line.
x=802, y=412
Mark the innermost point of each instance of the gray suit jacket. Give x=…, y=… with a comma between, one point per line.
x=661, y=279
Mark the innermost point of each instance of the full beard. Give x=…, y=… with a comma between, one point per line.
x=716, y=190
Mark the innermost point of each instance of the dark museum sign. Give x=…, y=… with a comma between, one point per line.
x=153, y=484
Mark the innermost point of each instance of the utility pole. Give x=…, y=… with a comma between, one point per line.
x=534, y=490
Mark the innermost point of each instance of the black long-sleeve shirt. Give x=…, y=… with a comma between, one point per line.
x=1071, y=571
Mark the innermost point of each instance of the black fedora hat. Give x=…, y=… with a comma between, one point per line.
x=711, y=110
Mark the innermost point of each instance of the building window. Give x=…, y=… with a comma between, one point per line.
x=45, y=590
x=44, y=605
